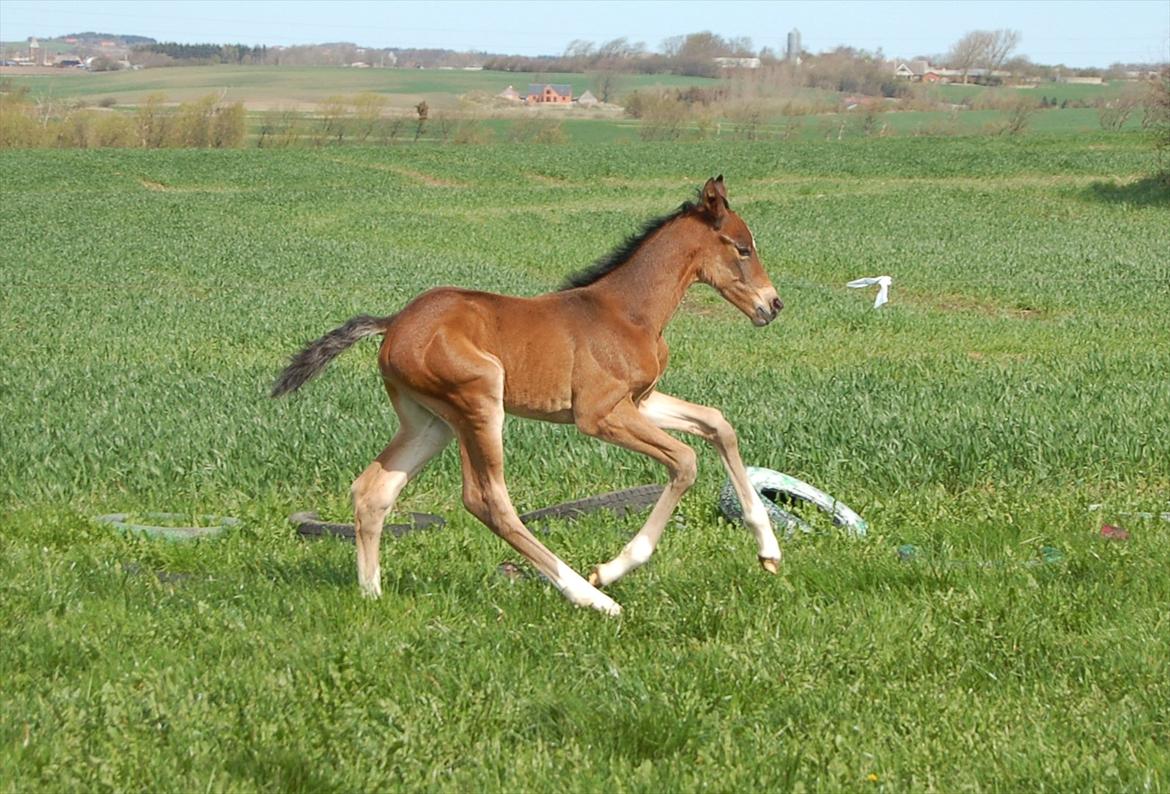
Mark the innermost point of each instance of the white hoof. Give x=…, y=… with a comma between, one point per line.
x=608, y=607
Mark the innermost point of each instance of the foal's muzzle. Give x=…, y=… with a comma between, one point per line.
x=767, y=313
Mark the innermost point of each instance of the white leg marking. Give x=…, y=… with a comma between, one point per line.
x=421, y=437
x=574, y=587
x=671, y=413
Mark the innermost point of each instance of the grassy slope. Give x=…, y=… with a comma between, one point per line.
x=147, y=299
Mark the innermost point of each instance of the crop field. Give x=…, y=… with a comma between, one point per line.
x=1073, y=92
x=1017, y=378
x=265, y=87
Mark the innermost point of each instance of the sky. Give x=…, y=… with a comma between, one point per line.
x=1078, y=33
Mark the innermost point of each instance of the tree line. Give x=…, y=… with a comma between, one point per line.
x=203, y=53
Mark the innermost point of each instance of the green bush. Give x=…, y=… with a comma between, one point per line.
x=152, y=121
x=191, y=124
x=472, y=131
x=18, y=128
x=1157, y=119
x=537, y=129
x=227, y=126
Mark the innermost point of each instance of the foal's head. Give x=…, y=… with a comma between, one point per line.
x=729, y=261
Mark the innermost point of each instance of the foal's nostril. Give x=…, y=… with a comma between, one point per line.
x=777, y=305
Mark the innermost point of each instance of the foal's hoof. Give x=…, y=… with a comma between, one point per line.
x=595, y=577
x=770, y=565
x=609, y=607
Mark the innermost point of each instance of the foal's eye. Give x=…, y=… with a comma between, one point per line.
x=744, y=250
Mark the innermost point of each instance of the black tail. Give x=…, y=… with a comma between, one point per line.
x=306, y=364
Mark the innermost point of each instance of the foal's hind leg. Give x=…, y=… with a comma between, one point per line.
x=671, y=413
x=422, y=435
x=486, y=496
x=477, y=414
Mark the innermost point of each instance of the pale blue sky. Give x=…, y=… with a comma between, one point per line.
x=1074, y=32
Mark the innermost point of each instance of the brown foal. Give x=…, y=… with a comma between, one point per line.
x=454, y=361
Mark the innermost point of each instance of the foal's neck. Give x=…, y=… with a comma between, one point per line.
x=649, y=286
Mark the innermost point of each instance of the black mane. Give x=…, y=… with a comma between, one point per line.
x=612, y=260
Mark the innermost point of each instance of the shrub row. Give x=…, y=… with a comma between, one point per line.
x=203, y=123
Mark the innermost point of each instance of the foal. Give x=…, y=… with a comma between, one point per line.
x=454, y=361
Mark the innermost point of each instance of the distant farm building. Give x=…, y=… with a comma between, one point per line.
x=920, y=71
x=915, y=70
x=549, y=94
x=738, y=63
x=587, y=99
x=36, y=53
x=510, y=94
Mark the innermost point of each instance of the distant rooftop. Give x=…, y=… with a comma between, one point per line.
x=560, y=88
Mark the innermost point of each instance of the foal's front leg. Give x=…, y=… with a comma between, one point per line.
x=671, y=413
x=627, y=427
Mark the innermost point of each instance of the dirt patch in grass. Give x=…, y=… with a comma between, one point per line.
x=956, y=303
x=418, y=177
x=550, y=181
x=162, y=187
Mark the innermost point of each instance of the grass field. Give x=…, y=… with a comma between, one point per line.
x=1079, y=92
x=148, y=298
x=273, y=86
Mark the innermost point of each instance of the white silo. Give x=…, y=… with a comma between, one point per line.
x=793, y=54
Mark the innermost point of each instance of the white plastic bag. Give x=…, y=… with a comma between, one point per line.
x=883, y=283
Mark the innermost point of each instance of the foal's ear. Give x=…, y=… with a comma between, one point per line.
x=715, y=200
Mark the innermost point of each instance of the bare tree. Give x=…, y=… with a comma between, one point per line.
x=1020, y=113
x=580, y=53
x=579, y=48
x=986, y=49
x=741, y=46
x=618, y=48
x=605, y=85
x=672, y=46
x=965, y=52
x=1114, y=111
x=703, y=46
x=998, y=45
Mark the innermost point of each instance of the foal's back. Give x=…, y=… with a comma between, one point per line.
x=528, y=349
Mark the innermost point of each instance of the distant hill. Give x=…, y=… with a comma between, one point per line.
x=123, y=39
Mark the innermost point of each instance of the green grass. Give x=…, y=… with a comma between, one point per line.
x=148, y=298
x=955, y=92
x=914, y=123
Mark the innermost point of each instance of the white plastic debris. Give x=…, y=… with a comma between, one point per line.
x=883, y=283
